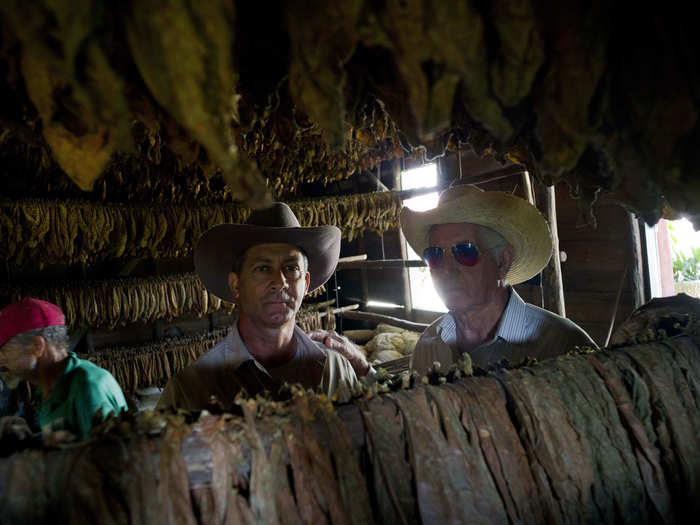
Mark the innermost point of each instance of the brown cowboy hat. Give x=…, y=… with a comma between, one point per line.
x=518, y=222
x=219, y=246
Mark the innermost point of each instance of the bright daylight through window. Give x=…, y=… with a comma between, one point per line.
x=685, y=251
x=423, y=295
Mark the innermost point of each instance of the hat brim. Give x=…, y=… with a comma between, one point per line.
x=218, y=247
x=520, y=223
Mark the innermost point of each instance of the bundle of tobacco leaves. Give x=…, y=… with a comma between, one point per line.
x=594, y=94
x=152, y=364
x=110, y=302
x=607, y=437
x=69, y=232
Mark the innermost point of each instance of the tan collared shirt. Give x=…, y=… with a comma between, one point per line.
x=523, y=331
x=314, y=366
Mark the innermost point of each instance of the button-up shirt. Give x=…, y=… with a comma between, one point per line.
x=524, y=330
x=229, y=367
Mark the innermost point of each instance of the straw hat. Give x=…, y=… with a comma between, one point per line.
x=219, y=246
x=518, y=221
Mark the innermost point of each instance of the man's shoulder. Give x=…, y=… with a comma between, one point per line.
x=556, y=325
x=88, y=374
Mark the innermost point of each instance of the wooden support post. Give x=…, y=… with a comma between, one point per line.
x=552, y=283
x=527, y=188
x=637, y=263
x=405, y=276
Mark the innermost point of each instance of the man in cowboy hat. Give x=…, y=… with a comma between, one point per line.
x=34, y=347
x=478, y=244
x=265, y=266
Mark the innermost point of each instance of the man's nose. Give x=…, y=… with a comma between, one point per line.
x=278, y=280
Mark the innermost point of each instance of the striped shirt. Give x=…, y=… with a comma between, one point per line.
x=523, y=331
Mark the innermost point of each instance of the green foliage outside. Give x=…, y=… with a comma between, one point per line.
x=685, y=267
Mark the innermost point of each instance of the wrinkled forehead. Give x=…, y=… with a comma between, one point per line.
x=454, y=232
x=273, y=249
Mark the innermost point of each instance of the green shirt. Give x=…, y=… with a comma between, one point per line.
x=82, y=390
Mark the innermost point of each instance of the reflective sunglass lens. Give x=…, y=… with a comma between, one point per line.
x=432, y=256
x=466, y=254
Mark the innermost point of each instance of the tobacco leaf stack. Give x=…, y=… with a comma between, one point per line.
x=607, y=437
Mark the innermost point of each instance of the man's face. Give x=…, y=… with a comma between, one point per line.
x=17, y=362
x=465, y=287
x=272, y=283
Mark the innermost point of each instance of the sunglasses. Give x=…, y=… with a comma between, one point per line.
x=466, y=254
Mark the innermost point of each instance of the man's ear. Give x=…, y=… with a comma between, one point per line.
x=38, y=346
x=233, y=284
x=308, y=281
x=506, y=260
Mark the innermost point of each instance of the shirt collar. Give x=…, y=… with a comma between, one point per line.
x=512, y=322
x=237, y=353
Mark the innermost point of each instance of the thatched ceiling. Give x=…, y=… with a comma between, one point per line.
x=271, y=94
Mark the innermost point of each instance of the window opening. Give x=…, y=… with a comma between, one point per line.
x=423, y=294
x=683, y=252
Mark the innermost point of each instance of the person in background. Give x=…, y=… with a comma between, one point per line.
x=265, y=266
x=72, y=392
x=478, y=244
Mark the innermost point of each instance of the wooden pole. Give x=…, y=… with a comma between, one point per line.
x=527, y=187
x=405, y=277
x=387, y=319
x=637, y=263
x=552, y=283
x=380, y=264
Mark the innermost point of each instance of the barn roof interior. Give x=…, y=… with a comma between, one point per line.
x=129, y=129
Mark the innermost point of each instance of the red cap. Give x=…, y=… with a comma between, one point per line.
x=28, y=314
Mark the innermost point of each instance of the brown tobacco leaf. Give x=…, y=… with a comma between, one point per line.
x=579, y=452
x=77, y=94
x=648, y=458
x=319, y=47
x=82, y=154
x=393, y=478
x=173, y=486
x=672, y=376
x=353, y=487
x=577, y=38
x=490, y=424
x=183, y=51
x=209, y=468
x=447, y=472
x=271, y=500
x=310, y=509
x=329, y=495
x=520, y=50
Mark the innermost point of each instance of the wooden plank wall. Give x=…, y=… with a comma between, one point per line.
x=595, y=264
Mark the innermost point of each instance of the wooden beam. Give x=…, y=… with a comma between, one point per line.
x=380, y=264
x=353, y=258
x=386, y=319
x=483, y=178
x=637, y=264
x=343, y=310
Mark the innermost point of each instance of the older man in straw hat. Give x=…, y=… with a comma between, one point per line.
x=265, y=266
x=478, y=244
